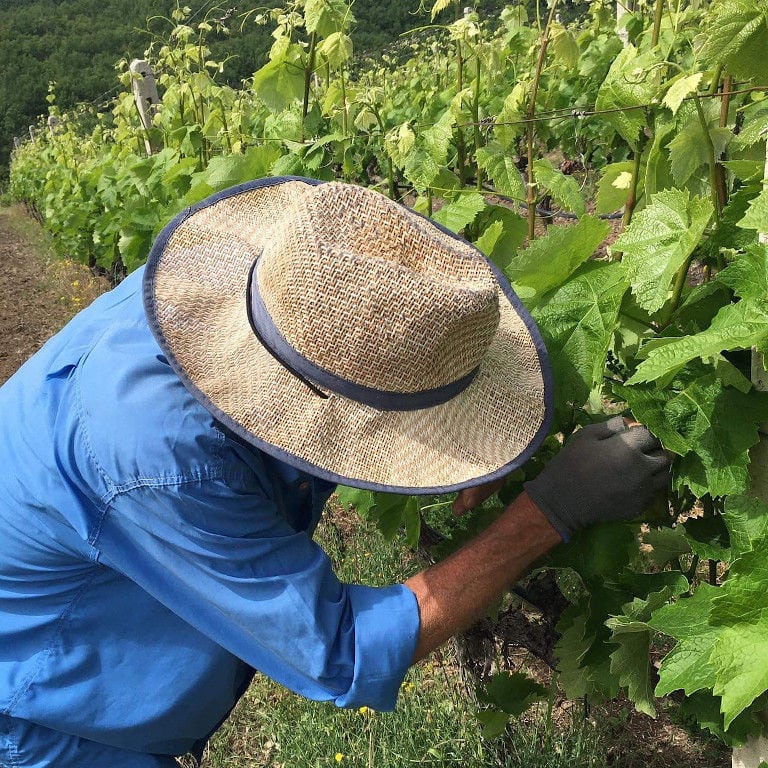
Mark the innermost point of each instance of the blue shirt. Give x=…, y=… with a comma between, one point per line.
x=149, y=559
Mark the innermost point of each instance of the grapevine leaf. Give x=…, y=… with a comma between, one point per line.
x=735, y=37
x=721, y=425
x=710, y=425
x=279, y=83
x=564, y=189
x=747, y=275
x=629, y=662
x=488, y=241
x=512, y=693
x=439, y=5
x=327, y=17
x=688, y=150
x=613, y=187
x=747, y=521
x=565, y=48
x=687, y=666
x=436, y=139
x=336, y=49
x=548, y=261
x=736, y=326
x=421, y=169
x=755, y=126
x=599, y=553
x=728, y=235
x=632, y=81
x=504, y=232
x=703, y=709
x=741, y=657
x=463, y=211
x=667, y=544
x=362, y=501
x=493, y=723
x=708, y=537
x=577, y=320
x=680, y=87
x=399, y=142
x=659, y=241
x=630, y=631
x=501, y=169
x=757, y=213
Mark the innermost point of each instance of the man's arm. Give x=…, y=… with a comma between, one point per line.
x=459, y=590
x=607, y=471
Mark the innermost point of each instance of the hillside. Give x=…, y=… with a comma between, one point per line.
x=76, y=44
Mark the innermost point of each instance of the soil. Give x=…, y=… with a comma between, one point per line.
x=39, y=293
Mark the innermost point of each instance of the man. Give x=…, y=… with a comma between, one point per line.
x=166, y=457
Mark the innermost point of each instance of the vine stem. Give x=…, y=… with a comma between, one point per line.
x=308, y=70
x=711, y=159
x=631, y=202
x=530, y=114
x=657, y=14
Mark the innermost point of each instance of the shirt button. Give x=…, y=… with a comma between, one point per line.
x=304, y=487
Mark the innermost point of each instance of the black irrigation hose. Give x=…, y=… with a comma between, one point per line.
x=551, y=214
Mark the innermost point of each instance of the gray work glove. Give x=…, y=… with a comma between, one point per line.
x=606, y=471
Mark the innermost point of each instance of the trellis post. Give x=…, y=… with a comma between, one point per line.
x=147, y=100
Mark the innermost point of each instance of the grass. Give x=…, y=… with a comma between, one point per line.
x=434, y=724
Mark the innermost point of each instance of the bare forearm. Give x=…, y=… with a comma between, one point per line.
x=456, y=592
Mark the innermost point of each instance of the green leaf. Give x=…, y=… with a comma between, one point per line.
x=550, y=260
x=687, y=667
x=736, y=326
x=512, y=693
x=493, y=723
x=747, y=275
x=456, y=215
x=577, y=320
x=680, y=87
x=336, y=49
x=667, y=544
x=505, y=231
x=565, y=48
x=613, y=187
x=735, y=37
x=747, y=521
x=659, y=241
x=436, y=140
x=688, y=150
x=710, y=425
x=757, y=213
x=327, y=17
x=708, y=537
x=501, y=169
x=362, y=501
x=632, y=81
x=565, y=190
x=279, y=83
x=629, y=662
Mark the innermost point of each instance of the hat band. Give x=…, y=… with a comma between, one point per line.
x=308, y=372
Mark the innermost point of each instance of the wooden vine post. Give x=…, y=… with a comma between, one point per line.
x=755, y=751
x=147, y=100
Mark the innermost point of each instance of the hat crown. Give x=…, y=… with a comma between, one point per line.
x=376, y=295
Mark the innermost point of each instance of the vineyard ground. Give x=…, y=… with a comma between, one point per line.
x=39, y=294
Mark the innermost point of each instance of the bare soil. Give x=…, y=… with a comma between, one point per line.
x=38, y=292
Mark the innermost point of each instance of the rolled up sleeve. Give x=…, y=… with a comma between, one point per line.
x=227, y=564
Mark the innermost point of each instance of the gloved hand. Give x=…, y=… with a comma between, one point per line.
x=606, y=471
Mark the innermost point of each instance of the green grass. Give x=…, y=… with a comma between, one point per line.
x=435, y=721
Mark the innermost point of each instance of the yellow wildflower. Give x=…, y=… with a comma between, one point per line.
x=338, y=757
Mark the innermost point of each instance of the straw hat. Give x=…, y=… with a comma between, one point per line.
x=349, y=336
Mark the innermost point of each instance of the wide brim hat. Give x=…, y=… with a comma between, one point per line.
x=348, y=336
